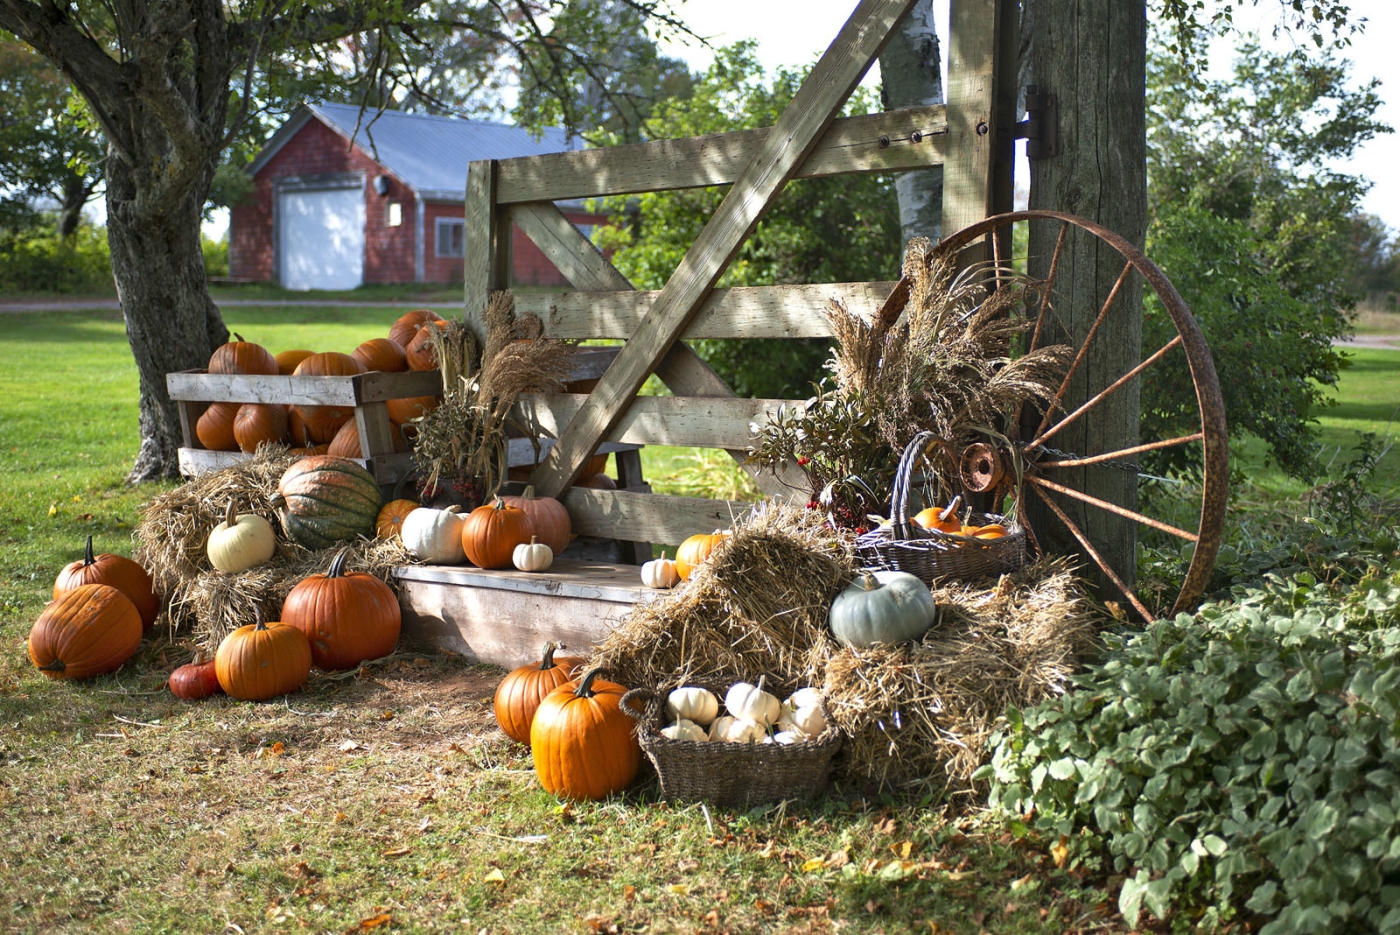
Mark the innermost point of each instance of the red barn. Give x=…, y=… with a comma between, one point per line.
x=341, y=198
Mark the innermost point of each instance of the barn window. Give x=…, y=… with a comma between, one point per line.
x=448, y=241
x=394, y=216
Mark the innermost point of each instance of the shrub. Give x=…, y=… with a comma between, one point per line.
x=1244, y=758
x=35, y=260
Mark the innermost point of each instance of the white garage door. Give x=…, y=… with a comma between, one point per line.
x=322, y=238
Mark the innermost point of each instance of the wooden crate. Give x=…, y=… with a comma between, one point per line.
x=971, y=137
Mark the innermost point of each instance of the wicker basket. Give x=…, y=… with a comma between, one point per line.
x=731, y=774
x=928, y=554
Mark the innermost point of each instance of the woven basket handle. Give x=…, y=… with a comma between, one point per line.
x=643, y=695
x=899, y=499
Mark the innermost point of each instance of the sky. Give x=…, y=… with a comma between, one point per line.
x=794, y=32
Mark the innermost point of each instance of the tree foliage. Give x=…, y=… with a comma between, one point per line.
x=1255, y=231
x=843, y=229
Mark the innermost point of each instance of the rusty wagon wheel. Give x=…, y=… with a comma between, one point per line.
x=1035, y=434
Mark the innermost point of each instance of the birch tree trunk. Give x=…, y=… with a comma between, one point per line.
x=910, y=77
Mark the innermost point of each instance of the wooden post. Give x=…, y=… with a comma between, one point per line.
x=484, y=268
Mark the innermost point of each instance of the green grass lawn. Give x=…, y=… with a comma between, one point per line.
x=390, y=802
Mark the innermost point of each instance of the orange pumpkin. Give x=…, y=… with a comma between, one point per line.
x=348, y=616
x=596, y=464
x=86, y=631
x=240, y=356
x=318, y=424
x=420, y=352
x=550, y=519
x=382, y=354
x=287, y=360
x=941, y=519
x=403, y=331
x=411, y=407
x=215, y=427
x=346, y=443
x=582, y=741
x=122, y=573
x=260, y=423
x=260, y=660
x=328, y=364
x=194, y=681
x=492, y=531
x=695, y=550
x=596, y=481
x=522, y=690
x=391, y=516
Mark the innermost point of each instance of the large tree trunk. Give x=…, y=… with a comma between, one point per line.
x=1091, y=55
x=171, y=322
x=910, y=77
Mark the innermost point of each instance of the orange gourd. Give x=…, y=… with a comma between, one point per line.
x=420, y=352
x=260, y=423
x=582, y=741
x=521, y=691
x=492, y=531
x=260, y=660
x=411, y=407
x=287, y=361
x=118, y=571
x=389, y=522
x=346, y=443
x=941, y=519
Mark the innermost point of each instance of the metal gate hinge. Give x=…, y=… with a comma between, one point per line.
x=1038, y=129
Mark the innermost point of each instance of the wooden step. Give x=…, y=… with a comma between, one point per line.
x=506, y=617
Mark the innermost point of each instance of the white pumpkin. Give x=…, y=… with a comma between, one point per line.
x=789, y=736
x=241, y=541
x=434, y=535
x=808, y=721
x=660, y=573
x=684, y=730
x=803, y=698
x=532, y=556
x=693, y=704
x=752, y=703
x=736, y=730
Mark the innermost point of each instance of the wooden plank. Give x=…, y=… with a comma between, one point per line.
x=967, y=175
x=190, y=411
x=794, y=311
x=564, y=245
x=483, y=617
x=307, y=391
x=682, y=421
x=851, y=144
x=372, y=425
x=387, y=468
x=782, y=151
x=480, y=245
x=631, y=516
x=521, y=451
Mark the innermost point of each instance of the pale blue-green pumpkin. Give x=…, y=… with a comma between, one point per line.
x=882, y=607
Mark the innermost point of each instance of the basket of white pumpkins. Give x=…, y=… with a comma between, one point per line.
x=753, y=746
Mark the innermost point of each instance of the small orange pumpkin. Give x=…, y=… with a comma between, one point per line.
x=695, y=550
x=420, y=352
x=260, y=423
x=389, y=522
x=287, y=360
x=194, y=681
x=261, y=660
x=126, y=575
x=522, y=690
x=405, y=329
x=492, y=531
x=382, y=354
x=941, y=519
x=89, y=630
x=582, y=741
x=411, y=407
x=215, y=427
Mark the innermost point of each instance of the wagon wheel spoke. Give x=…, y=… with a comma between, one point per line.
x=1041, y=460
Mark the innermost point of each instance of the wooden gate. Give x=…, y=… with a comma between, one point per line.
x=971, y=137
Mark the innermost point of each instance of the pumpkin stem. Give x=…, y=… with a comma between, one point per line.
x=56, y=666
x=868, y=582
x=230, y=517
x=500, y=503
x=585, y=684
x=257, y=618
x=338, y=563
x=547, y=659
x=529, y=492
x=88, y=557
x=951, y=509
x=237, y=336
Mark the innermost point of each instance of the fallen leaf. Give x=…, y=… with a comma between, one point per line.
x=629, y=894
x=680, y=889
x=495, y=876
x=397, y=852
x=838, y=859
x=348, y=746
x=712, y=918
x=339, y=817
x=374, y=922
x=813, y=865
x=421, y=663
x=1059, y=851
x=886, y=826
x=386, y=715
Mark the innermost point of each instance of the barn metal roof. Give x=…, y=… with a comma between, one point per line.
x=427, y=153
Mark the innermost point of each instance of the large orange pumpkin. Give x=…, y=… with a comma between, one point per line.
x=260, y=660
x=403, y=331
x=322, y=422
x=694, y=551
x=346, y=443
x=240, y=356
x=582, y=740
x=522, y=690
x=420, y=352
x=87, y=631
x=260, y=423
x=596, y=481
x=550, y=519
x=122, y=573
x=492, y=531
x=382, y=354
x=348, y=616
x=215, y=427
x=287, y=361
x=411, y=407
x=328, y=364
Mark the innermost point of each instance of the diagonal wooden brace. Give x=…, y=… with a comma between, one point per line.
x=782, y=153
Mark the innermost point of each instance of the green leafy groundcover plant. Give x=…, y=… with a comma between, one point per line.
x=1246, y=758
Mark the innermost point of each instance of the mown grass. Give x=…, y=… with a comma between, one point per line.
x=389, y=801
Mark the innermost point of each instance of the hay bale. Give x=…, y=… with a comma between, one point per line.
x=174, y=531
x=921, y=713
x=758, y=606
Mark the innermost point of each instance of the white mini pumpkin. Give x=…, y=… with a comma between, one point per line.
x=434, y=535
x=684, y=730
x=694, y=704
x=789, y=736
x=660, y=573
x=532, y=556
x=803, y=698
x=728, y=729
x=752, y=703
x=241, y=541
x=808, y=721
